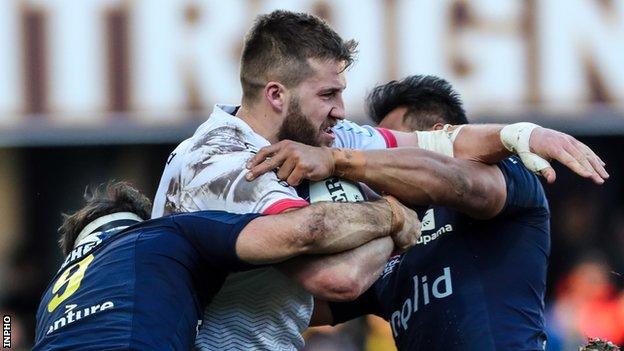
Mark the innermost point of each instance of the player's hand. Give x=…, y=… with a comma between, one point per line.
x=293, y=162
x=409, y=234
x=551, y=144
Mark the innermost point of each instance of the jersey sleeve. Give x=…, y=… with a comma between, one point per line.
x=166, y=198
x=366, y=303
x=214, y=235
x=525, y=193
x=276, y=195
x=353, y=136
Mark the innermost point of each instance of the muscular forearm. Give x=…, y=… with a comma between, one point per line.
x=420, y=177
x=344, y=226
x=480, y=143
x=343, y=276
x=322, y=227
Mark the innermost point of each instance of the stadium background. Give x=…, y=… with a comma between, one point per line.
x=103, y=89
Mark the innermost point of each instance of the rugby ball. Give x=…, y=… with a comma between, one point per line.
x=335, y=190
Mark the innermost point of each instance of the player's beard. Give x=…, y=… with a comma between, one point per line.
x=297, y=127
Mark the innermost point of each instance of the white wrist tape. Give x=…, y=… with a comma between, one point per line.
x=440, y=141
x=515, y=137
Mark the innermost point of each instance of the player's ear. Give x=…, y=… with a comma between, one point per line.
x=437, y=126
x=275, y=94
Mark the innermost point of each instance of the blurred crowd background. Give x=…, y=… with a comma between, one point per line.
x=94, y=90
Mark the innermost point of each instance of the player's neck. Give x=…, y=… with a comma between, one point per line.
x=263, y=122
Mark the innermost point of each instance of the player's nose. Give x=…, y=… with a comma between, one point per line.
x=338, y=111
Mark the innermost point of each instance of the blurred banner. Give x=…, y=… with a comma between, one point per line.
x=93, y=64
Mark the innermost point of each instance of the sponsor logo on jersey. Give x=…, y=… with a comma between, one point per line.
x=394, y=260
x=86, y=246
x=441, y=287
x=428, y=220
x=70, y=316
x=427, y=238
x=429, y=224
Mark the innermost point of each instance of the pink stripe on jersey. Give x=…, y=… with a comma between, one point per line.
x=388, y=137
x=282, y=205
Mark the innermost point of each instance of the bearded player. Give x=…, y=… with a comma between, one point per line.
x=477, y=277
x=292, y=77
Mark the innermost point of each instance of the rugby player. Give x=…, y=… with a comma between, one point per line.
x=127, y=284
x=292, y=78
x=469, y=284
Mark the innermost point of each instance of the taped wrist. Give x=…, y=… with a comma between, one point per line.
x=398, y=218
x=440, y=141
x=515, y=137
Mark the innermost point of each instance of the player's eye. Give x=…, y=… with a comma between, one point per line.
x=328, y=95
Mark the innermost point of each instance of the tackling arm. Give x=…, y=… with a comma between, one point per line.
x=414, y=175
x=343, y=276
x=473, y=142
x=327, y=227
x=420, y=177
x=491, y=143
x=483, y=143
x=324, y=228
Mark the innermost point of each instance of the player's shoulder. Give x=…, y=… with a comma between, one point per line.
x=176, y=222
x=346, y=126
x=220, y=133
x=222, y=143
x=354, y=136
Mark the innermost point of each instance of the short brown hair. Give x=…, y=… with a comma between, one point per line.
x=104, y=199
x=278, y=46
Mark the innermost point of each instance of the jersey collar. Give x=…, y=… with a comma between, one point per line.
x=117, y=220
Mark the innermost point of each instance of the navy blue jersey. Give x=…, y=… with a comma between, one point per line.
x=142, y=288
x=469, y=284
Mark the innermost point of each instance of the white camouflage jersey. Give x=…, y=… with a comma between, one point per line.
x=260, y=309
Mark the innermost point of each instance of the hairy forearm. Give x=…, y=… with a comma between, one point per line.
x=420, y=177
x=343, y=276
x=344, y=226
x=320, y=228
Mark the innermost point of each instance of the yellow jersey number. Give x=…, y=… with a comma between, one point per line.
x=71, y=280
